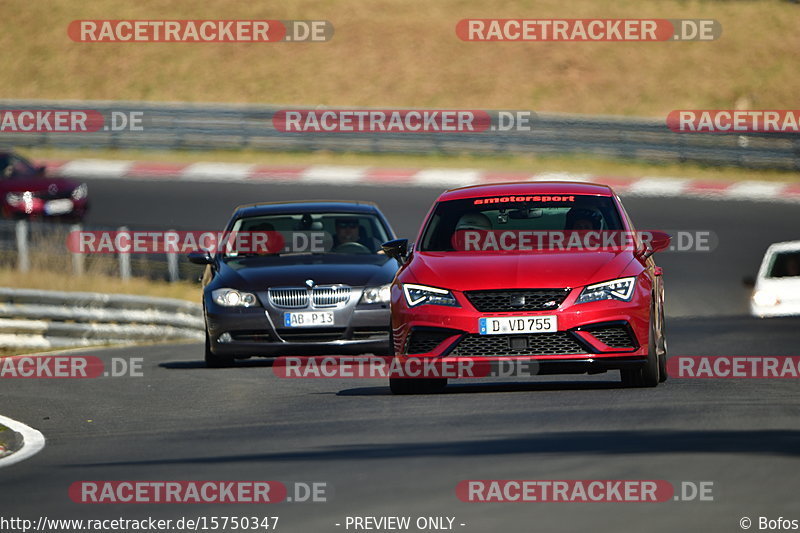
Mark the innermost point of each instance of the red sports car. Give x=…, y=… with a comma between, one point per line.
x=27, y=192
x=532, y=272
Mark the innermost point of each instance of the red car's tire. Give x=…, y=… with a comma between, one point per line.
x=649, y=374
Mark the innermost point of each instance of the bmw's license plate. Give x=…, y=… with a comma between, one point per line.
x=58, y=207
x=508, y=325
x=308, y=318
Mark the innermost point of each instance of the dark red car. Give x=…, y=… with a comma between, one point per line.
x=479, y=286
x=27, y=192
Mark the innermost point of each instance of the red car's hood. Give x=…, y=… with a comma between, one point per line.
x=37, y=183
x=474, y=271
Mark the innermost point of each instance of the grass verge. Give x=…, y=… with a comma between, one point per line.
x=6, y=435
x=387, y=53
x=46, y=280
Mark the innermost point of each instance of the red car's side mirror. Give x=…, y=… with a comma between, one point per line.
x=656, y=241
x=396, y=249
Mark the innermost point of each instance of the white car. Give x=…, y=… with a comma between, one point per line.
x=777, y=288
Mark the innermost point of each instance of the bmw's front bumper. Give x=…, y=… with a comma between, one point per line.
x=260, y=331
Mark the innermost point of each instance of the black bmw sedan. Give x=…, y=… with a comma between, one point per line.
x=325, y=289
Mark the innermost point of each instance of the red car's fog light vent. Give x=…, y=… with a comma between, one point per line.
x=509, y=300
x=426, y=340
x=614, y=336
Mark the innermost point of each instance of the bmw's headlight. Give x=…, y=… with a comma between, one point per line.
x=376, y=295
x=233, y=298
x=616, y=289
x=80, y=192
x=420, y=294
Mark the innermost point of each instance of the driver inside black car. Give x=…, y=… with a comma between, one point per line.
x=349, y=230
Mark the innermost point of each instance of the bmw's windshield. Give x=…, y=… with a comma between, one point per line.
x=527, y=213
x=316, y=233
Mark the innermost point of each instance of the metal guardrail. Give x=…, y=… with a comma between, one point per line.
x=236, y=127
x=53, y=319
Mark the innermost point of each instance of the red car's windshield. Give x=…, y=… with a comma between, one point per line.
x=525, y=213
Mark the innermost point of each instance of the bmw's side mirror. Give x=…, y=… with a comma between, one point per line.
x=200, y=258
x=397, y=249
x=749, y=282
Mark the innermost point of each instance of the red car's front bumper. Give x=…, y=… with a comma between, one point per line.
x=599, y=336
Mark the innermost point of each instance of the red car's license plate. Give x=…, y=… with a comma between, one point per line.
x=506, y=325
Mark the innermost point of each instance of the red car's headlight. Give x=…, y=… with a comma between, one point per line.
x=617, y=289
x=422, y=294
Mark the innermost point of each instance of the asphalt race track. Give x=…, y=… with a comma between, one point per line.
x=385, y=455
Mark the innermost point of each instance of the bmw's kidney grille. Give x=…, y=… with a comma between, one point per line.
x=330, y=296
x=299, y=297
x=289, y=298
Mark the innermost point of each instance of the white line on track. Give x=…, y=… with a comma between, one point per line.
x=33, y=441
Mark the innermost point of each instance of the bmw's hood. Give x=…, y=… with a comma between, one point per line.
x=259, y=273
x=475, y=271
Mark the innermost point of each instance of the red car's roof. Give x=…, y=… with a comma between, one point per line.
x=527, y=187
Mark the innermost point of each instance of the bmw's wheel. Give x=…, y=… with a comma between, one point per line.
x=216, y=361
x=649, y=374
x=416, y=386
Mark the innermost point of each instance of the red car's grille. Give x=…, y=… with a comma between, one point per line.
x=509, y=300
x=558, y=343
